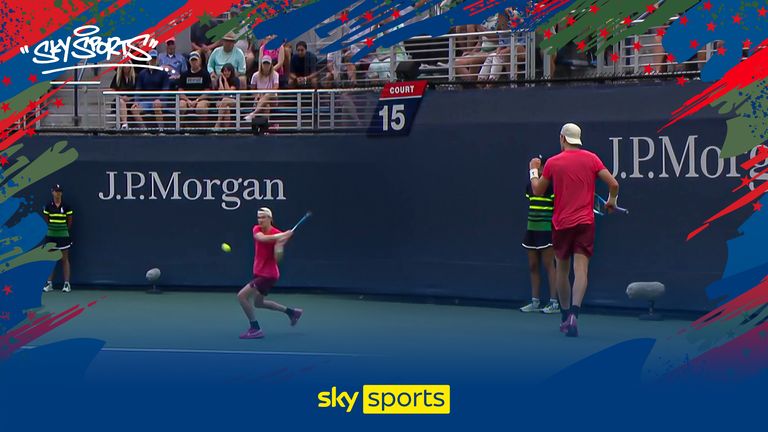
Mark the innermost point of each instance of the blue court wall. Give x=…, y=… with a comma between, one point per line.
x=441, y=212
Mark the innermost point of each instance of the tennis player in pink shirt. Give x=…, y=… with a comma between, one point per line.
x=573, y=173
x=269, y=242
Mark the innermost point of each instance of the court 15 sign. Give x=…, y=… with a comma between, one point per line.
x=397, y=108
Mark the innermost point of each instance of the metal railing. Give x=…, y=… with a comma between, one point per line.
x=504, y=56
x=82, y=105
x=346, y=109
x=508, y=56
x=290, y=110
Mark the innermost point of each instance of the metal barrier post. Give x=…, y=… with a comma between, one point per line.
x=118, y=119
x=298, y=110
x=392, y=64
x=178, y=112
x=530, y=55
x=451, y=58
x=237, y=111
x=333, y=109
x=315, y=111
x=76, y=113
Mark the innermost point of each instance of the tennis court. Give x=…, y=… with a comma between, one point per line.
x=181, y=333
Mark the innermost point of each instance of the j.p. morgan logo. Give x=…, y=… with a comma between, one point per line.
x=135, y=185
x=645, y=158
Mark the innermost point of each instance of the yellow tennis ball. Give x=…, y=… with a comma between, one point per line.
x=225, y=247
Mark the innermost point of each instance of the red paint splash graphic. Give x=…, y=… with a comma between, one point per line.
x=754, y=68
x=167, y=27
x=736, y=308
x=546, y=7
x=33, y=21
x=740, y=358
x=480, y=5
x=18, y=337
x=762, y=154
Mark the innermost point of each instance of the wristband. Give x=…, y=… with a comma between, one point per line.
x=534, y=173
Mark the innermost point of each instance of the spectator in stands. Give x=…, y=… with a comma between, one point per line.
x=228, y=53
x=382, y=64
x=652, y=53
x=468, y=65
x=202, y=43
x=148, y=80
x=339, y=67
x=499, y=60
x=124, y=80
x=195, y=79
x=303, y=67
x=464, y=45
x=287, y=53
x=177, y=63
x=251, y=57
x=265, y=79
x=280, y=58
x=570, y=62
x=228, y=80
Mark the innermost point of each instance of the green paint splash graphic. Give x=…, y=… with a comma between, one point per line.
x=748, y=128
x=20, y=175
x=52, y=160
x=609, y=16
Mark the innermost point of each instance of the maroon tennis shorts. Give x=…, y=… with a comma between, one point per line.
x=262, y=284
x=579, y=239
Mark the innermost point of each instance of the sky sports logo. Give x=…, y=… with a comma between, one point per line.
x=391, y=399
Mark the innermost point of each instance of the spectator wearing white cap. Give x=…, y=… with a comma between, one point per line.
x=228, y=53
x=195, y=79
x=280, y=58
x=265, y=79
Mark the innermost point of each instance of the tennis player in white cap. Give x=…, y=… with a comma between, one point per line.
x=269, y=242
x=573, y=173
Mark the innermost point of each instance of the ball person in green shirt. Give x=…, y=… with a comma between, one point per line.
x=538, y=243
x=58, y=215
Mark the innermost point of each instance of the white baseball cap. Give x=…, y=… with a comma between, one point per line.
x=572, y=133
x=264, y=211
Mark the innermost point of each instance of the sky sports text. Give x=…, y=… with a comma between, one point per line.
x=391, y=399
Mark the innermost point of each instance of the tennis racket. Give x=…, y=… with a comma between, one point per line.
x=301, y=221
x=600, y=209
